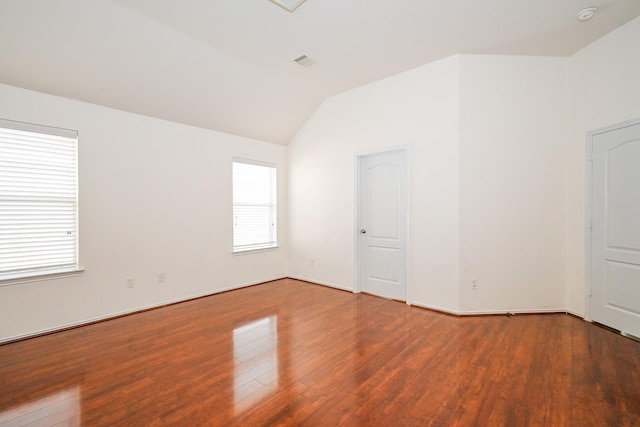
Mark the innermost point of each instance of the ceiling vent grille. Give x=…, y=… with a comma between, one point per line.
x=289, y=5
x=305, y=61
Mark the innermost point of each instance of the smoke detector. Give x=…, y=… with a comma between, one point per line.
x=586, y=14
x=289, y=5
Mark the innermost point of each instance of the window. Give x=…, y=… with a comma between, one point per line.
x=254, y=205
x=38, y=200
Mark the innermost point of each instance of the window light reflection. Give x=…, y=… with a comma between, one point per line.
x=59, y=408
x=255, y=351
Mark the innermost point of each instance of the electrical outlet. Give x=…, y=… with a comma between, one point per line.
x=474, y=284
x=130, y=283
x=161, y=278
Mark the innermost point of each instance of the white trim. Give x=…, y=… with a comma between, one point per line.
x=588, y=220
x=407, y=150
x=133, y=311
x=40, y=276
x=34, y=128
x=382, y=150
x=247, y=284
x=327, y=284
x=514, y=311
x=627, y=335
x=254, y=251
x=489, y=312
x=436, y=308
x=575, y=313
x=589, y=205
x=254, y=162
x=356, y=221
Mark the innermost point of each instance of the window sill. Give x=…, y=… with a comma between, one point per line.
x=39, y=276
x=253, y=251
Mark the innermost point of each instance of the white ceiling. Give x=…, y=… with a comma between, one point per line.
x=228, y=65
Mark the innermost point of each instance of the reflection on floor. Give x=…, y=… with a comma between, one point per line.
x=289, y=353
x=255, y=353
x=59, y=408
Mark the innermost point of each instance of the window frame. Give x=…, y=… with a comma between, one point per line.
x=259, y=246
x=51, y=270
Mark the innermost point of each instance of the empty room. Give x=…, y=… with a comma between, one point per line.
x=319, y=213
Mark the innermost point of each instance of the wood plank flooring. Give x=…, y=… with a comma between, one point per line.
x=292, y=353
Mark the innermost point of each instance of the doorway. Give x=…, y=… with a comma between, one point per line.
x=381, y=224
x=614, y=294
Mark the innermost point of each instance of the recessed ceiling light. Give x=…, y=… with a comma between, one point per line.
x=289, y=5
x=586, y=14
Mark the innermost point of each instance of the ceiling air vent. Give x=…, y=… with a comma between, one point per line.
x=305, y=61
x=289, y=5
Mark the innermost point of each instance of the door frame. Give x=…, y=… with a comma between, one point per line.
x=589, y=206
x=358, y=209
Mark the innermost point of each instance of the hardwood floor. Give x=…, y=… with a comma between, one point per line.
x=292, y=353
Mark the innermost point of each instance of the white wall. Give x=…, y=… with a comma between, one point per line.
x=604, y=88
x=418, y=109
x=497, y=182
x=512, y=182
x=155, y=196
x=487, y=185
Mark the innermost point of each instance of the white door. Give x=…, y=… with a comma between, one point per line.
x=615, y=238
x=382, y=224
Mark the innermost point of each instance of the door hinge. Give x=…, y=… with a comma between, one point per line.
x=591, y=156
x=590, y=226
x=590, y=292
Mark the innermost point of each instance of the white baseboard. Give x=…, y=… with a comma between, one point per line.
x=435, y=308
x=450, y=311
x=244, y=285
x=317, y=282
x=513, y=311
x=132, y=311
x=575, y=313
x=491, y=312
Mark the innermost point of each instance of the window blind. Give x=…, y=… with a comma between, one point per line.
x=254, y=205
x=38, y=199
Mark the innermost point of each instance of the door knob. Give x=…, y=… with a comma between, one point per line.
x=363, y=231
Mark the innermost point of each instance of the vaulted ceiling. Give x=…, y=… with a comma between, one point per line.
x=228, y=65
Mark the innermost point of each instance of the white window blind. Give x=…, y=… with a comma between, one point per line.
x=38, y=200
x=254, y=205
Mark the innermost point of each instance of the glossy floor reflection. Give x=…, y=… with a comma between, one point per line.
x=292, y=353
x=255, y=353
x=59, y=408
